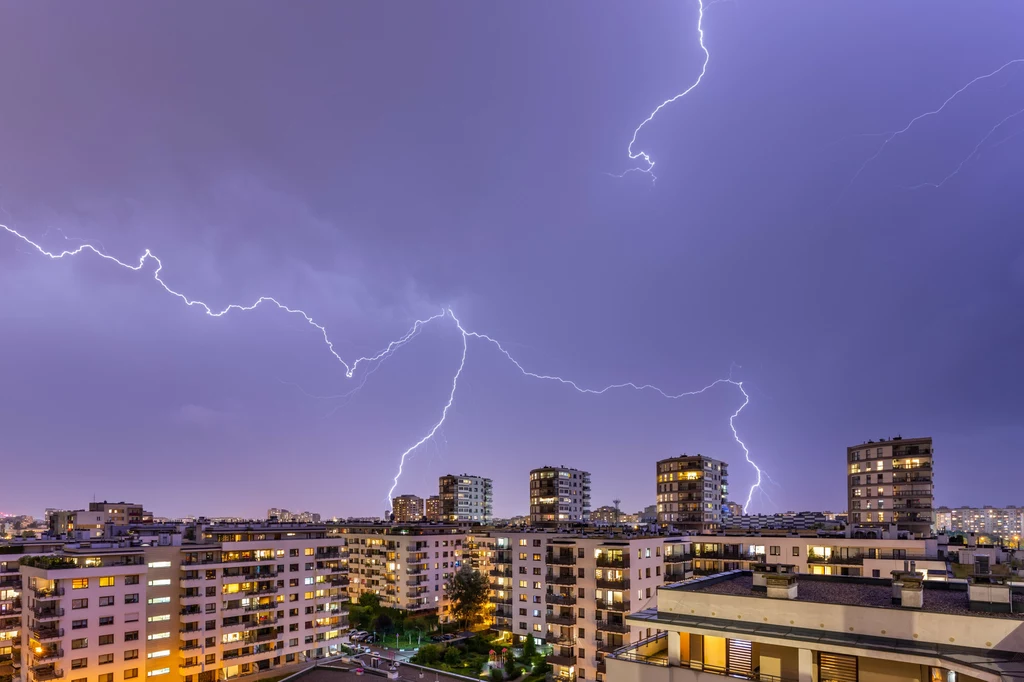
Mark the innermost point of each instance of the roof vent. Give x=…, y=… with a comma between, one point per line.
x=781, y=586
x=907, y=589
x=989, y=593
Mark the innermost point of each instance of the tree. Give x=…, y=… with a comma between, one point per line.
x=383, y=623
x=497, y=675
x=468, y=591
x=510, y=665
x=529, y=650
x=452, y=656
x=370, y=601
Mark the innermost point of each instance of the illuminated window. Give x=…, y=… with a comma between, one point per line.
x=154, y=583
x=159, y=564
x=79, y=583
x=107, y=581
x=158, y=671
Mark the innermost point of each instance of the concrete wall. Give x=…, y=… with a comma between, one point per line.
x=877, y=670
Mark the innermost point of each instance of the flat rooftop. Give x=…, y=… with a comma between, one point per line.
x=337, y=673
x=939, y=597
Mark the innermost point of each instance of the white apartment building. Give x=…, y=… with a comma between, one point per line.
x=559, y=496
x=237, y=601
x=778, y=626
x=406, y=566
x=466, y=498
x=1004, y=523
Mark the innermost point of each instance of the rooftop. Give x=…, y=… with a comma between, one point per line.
x=939, y=597
x=338, y=673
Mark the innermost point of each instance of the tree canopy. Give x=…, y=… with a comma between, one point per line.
x=468, y=591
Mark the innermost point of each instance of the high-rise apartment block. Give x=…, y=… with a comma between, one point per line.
x=692, y=491
x=559, y=496
x=235, y=601
x=466, y=498
x=1003, y=523
x=406, y=566
x=889, y=483
x=407, y=509
x=434, y=509
x=120, y=513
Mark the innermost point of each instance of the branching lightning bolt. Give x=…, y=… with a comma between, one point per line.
x=648, y=164
x=350, y=368
x=889, y=137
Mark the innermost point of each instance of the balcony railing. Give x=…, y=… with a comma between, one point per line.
x=612, y=626
x=563, y=599
x=857, y=560
x=261, y=623
x=47, y=613
x=507, y=599
x=613, y=583
x=44, y=634
x=566, y=579
x=556, y=638
x=560, y=659
x=923, y=494
x=677, y=558
x=561, y=618
x=563, y=559
x=261, y=607
x=607, y=647
x=47, y=673
x=50, y=593
x=619, y=606
x=501, y=572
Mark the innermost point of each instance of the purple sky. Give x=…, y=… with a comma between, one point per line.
x=371, y=162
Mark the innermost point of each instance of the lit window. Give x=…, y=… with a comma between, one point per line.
x=107, y=581
x=158, y=671
x=157, y=583
x=79, y=583
x=159, y=654
x=159, y=564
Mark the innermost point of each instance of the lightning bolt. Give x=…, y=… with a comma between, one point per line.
x=889, y=137
x=648, y=164
x=350, y=368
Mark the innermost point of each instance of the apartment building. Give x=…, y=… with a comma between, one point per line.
x=120, y=513
x=781, y=626
x=782, y=521
x=692, y=490
x=1005, y=523
x=559, y=496
x=466, y=498
x=407, y=566
x=572, y=590
x=889, y=482
x=434, y=509
x=77, y=523
x=407, y=509
x=236, y=601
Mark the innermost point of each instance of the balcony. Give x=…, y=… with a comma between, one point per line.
x=562, y=559
x=190, y=645
x=678, y=558
x=501, y=573
x=564, y=579
x=923, y=494
x=48, y=655
x=44, y=634
x=606, y=647
x=260, y=623
x=561, y=618
x=901, y=466
x=495, y=599
x=612, y=626
x=261, y=607
x=612, y=561
x=563, y=599
x=915, y=478
x=189, y=664
x=48, y=593
x=339, y=581
x=619, y=606
x=258, y=591
x=563, y=658
x=556, y=638
x=857, y=560
x=47, y=612
x=190, y=597
x=43, y=673
x=613, y=583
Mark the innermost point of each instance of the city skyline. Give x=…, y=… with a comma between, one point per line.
x=779, y=247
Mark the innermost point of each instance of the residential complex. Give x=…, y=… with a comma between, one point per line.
x=466, y=498
x=889, y=482
x=776, y=625
x=407, y=509
x=559, y=496
x=692, y=490
x=1005, y=523
x=121, y=513
x=407, y=566
x=782, y=521
x=285, y=516
x=234, y=601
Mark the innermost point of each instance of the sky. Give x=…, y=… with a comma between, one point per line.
x=372, y=163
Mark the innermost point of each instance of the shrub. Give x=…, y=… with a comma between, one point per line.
x=497, y=675
x=452, y=656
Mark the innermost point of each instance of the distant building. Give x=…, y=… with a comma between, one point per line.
x=285, y=516
x=890, y=483
x=466, y=498
x=649, y=514
x=732, y=509
x=1000, y=522
x=784, y=521
x=120, y=513
x=77, y=523
x=613, y=516
x=407, y=508
x=434, y=509
x=559, y=496
x=691, y=491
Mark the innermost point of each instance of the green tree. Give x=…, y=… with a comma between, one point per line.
x=383, y=623
x=452, y=656
x=370, y=601
x=510, y=665
x=468, y=591
x=529, y=650
x=497, y=675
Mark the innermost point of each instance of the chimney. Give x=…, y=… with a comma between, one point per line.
x=782, y=586
x=907, y=589
x=989, y=593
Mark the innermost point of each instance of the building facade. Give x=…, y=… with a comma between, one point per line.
x=235, y=601
x=692, y=490
x=466, y=499
x=434, y=509
x=407, y=509
x=559, y=496
x=889, y=483
x=120, y=513
x=1005, y=523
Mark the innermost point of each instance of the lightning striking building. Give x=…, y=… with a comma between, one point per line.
x=692, y=491
x=559, y=496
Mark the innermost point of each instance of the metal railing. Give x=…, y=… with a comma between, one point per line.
x=563, y=599
x=604, y=561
